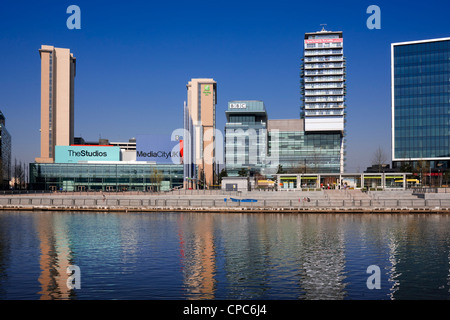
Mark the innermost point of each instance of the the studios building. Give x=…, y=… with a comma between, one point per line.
x=72, y=164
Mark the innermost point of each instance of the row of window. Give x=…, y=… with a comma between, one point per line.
x=421, y=47
x=324, y=78
x=432, y=73
x=440, y=135
x=325, y=58
x=324, y=65
x=90, y=170
x=324, y=91
x=436, y=90
x=319, y=52
x=324, y=85
x=419, y=81
x=325, y=113
x=324, y=71
x=323, y=106
x=408, y=153
x=50, y=107
x=324, y=45
x=422, y=58
x=324, y=99
x=422, y=100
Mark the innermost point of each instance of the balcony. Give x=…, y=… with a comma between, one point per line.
x=324, y=72
x=313, y=106
x=324, y=113
x=324, y=99
x=309, y=46
x=324, y=59
x=323, y=79
x=324, y=92
x=326, y=85
x=323, y=52
x=329, y=65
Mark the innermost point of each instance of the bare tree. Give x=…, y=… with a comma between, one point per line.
x=379, y=158
x=422, y=167
x=19, y=175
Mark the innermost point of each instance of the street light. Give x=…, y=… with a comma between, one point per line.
x=384, y=176
x=439, y=173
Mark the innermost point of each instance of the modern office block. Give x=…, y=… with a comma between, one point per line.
x=200, y=125
x=245, y=136
x=57, y=100
x=323, y=85
x=420, y=80
x=106, y=176
x=5, y=154
x=298, y=151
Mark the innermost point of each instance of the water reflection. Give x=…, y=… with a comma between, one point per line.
x=223, y=256
x=198, y=256
x=55, y=256
x=322, y=257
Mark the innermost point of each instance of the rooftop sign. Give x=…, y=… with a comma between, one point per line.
x=83, y=153
x=324, y=40
x=238, y=106
x=158, y=148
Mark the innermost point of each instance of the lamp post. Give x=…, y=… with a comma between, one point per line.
x=384, y=176
x=439, y=173
x=429, y=182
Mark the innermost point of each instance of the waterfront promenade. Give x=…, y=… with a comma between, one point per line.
x=355, y=201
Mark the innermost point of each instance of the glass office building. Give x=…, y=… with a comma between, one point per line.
x=5, y=154
x=245, y=136
x=105, y=176
x=298, y=151
x=420, y=74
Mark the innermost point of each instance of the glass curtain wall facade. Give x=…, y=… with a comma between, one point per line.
x=105, y=177
x=302, y=152
x=245, y=136
x=5, y=154
x=421, y=102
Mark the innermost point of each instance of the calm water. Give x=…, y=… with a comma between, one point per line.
x=223, y=256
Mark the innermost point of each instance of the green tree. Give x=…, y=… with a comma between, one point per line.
x=222, y=174
x=242, y=172
x=280, y=169
x=156, y=177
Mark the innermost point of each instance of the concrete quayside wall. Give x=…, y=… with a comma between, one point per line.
x=220, y=201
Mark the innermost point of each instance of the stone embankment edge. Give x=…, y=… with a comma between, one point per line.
x=224, y=209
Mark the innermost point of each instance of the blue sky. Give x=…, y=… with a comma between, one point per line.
x=135, y=58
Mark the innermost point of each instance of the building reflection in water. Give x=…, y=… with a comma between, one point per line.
x=198, y=256
x=235, y=256
x=261, y=259
x=321, y=257
x=55, y=256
